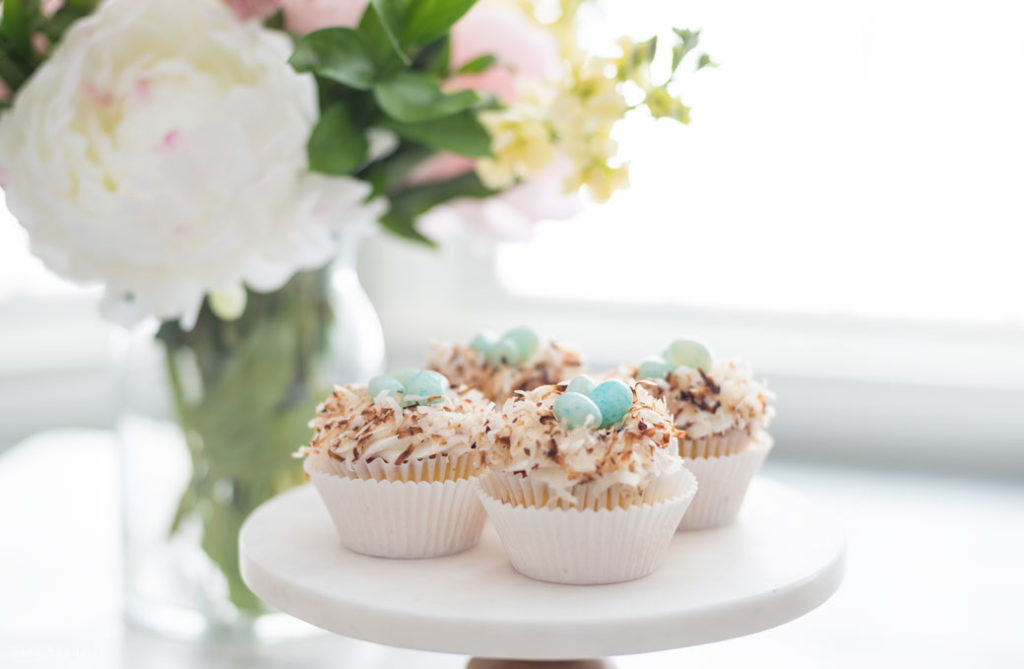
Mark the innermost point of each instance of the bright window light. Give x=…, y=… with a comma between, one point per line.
x=857, y=158
x=21, y=273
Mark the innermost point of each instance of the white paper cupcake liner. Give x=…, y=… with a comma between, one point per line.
x=402, y=519
x=723, y=483
x=523, y=491
x=715, y=445
x=440, y=468
x=582, y=547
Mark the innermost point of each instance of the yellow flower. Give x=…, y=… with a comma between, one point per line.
x=565, y=29
x=521, y=144
x=590, y=104
x=567, y=115
x=634, y=63
x=661, y=103
x=594, y=82
x=601, y=180
x=588, y=147
x=495, y=174
x=624, y=63
x=585, y=104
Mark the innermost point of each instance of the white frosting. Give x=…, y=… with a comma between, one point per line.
x=464, y=365
x=528, y=440
x=727, y=398
x=352, y=426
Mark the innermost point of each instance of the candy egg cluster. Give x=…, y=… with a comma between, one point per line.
x=586, y=404
x=511, y=348
x=411, y=386
x=681, y=352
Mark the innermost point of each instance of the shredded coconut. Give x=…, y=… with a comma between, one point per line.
x=529, y=440
x=462, y=364
x=351, y=426
x=726, y=398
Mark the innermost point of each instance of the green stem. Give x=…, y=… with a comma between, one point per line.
x=259, y=385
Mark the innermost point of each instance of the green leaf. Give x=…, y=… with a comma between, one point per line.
x=403, y=224
x=70, y=12
x=337, y=146
x=460, y=133
x=338, y=54
x=644, y=52
x=388, y=175
x=186, y=505
x=221, y=525
x=410, y=204
x=705, y=61
x=434, y=59
x=381, y=41
x=419, y=22
x=688, y=40
x=391, y=13
x=479, y=64
x=427, y=20
x=276, y=21
x=412, y=98
x=19, y=17
x=638, y=57
x=13, y=72
x=58, y=24
x=427, y=196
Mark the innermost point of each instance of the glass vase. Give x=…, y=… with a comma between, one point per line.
x=210, y=418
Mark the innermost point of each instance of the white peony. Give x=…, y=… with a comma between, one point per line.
x=161, y=151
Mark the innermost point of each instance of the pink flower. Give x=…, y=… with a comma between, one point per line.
x=253, y=9
x=441, y=167
x=41, y=43
x=305, y=16
x=50, y=7
x=524, y=50
x=510, y=215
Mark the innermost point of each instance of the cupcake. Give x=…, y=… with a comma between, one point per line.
x=499, y=366
x=395, y=464
x=586, y=483
x=723, y=412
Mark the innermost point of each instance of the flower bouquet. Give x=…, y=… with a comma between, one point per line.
x=204, y=160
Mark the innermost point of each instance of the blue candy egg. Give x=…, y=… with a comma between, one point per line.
x=613, y=398
x=483, y=342
x=576, y=410
x=582, y=384
x=525, y=339
x=426, y=387
x=441, y=378
x=404, y=374
x=504, y=352
x=690, y=353
x=653, y=368
x=384, y=384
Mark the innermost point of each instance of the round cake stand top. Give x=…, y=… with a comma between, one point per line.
x=780, y=560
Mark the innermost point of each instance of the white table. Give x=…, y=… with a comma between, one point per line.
x=782, y=558
x=933, y=578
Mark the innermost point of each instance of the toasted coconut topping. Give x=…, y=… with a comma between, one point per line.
x=704, y=404
x=464, y=365
x=529, y=440
x=350, y=425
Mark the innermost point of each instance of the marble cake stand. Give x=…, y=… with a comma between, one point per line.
x=783, y=558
